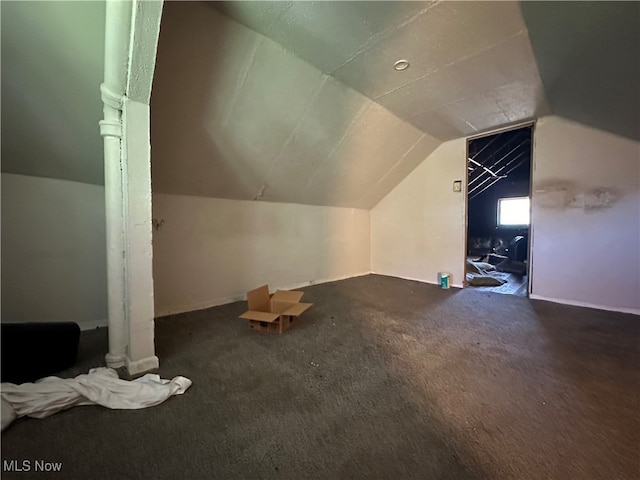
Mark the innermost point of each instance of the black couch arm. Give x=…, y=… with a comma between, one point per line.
x=34, y=350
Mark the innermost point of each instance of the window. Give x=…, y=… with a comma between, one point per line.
x=513, y=212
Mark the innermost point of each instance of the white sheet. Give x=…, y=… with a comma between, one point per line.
x=101, y=386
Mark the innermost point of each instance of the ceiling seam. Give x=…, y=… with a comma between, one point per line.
x=454, y=102
x=470, y=124
x=358, y=115
x=277, y=19
x=375, y=39
x=482, y=50
x=262, y=37
x=347, y=132
x=243, y=80
x=409, y=150
x=295, y=129
x=499, y=102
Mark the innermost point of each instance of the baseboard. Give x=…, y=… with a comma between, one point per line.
x=142, y=365
x=634, y=311
x=93, y=324
x=163, y=312
x=453, y=285
x=243, y=296
x=320, y=281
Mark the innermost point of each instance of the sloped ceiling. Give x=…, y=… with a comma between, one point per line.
x=236, y=115
x=306, y=106
x=589, y=58
x=52, y=66
x=310, y=109
x=471, y=63
x=317, y=115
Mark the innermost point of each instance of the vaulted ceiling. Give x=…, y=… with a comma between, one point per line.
x=588, y=55
x=471, y=63
x=236, y=115
x=299, y=102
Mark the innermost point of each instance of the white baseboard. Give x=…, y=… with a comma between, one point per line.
x=320, y=281
x=413, y=279
x=162, y=312
x=192, y=307
x=142, y=365
x=634, y=311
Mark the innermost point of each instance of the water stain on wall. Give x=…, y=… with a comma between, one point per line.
x=562, y=194
x=595, y=199
x=554, y=195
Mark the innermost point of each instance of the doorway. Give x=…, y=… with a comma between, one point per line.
x=499, y=211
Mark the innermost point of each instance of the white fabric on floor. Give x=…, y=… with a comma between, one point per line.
x=101, y=386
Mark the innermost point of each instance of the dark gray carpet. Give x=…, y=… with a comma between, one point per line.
x=382, y=378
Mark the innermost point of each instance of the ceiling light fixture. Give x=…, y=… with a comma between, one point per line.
x=401, y=65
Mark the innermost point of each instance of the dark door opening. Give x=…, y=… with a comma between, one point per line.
x=498, y=211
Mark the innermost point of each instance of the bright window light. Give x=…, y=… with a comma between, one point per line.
x=513, y=211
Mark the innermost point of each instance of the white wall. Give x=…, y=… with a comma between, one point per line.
x=586, y=216
x=53, y=251
x=212, y=251
x=418, y=229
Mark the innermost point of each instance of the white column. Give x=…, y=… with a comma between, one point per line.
x=117, y=34
x=111, y=130
x=139, y=250
x=131, y=37
x=145, y=21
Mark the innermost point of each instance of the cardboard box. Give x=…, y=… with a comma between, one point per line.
x=273, y=313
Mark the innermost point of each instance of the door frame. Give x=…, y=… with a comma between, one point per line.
x=487, y=133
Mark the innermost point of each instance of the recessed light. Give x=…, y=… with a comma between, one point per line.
x=401, y=65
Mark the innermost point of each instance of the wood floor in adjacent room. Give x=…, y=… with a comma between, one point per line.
x=381, y=378
x=514, y=285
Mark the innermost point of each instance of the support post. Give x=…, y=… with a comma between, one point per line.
x=131, y=36
x=117, y=34
x=111, y=130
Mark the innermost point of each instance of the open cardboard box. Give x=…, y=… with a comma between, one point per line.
x=273, y=313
